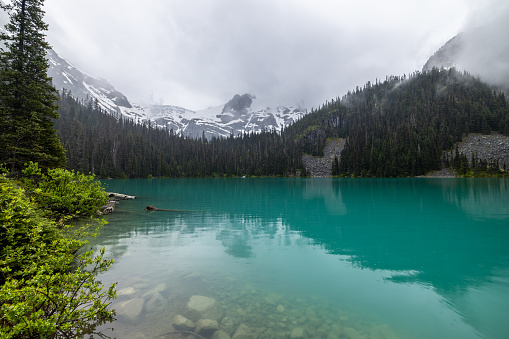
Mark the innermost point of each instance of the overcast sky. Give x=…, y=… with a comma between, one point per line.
x=199, y=53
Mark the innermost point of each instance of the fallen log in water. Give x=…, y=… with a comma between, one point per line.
x=152, y=208
x=120, y=196
x=113, y=200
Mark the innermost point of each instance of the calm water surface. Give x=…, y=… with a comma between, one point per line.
x=339, y=258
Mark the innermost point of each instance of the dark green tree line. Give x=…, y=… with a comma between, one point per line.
x=402, y=126
x=110, y=146
x=398, y=127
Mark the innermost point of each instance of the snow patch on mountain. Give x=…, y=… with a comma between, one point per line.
x=242, y=114
x=82, y=86
x=234, y=118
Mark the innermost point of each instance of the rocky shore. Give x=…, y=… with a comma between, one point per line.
x=114, y=199
x=490, y=147
x=443, y=173
x=146, y=309
x=322, y=166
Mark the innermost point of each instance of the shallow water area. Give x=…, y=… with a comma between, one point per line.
x=313, y=258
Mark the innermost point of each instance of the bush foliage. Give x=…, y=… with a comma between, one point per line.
x=62, y=193
x=45, y=289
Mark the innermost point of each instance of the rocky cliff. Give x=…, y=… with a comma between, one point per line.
x=486, y=147
x=322, y=166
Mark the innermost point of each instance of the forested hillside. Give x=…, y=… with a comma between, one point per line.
x=395, y=128
x=115, y=147
x=401, y=126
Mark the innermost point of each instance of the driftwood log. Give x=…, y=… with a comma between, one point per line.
x=152, y=208
x=120, y=196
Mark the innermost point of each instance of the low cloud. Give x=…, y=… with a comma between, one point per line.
x=485, y=46
x=199, y=53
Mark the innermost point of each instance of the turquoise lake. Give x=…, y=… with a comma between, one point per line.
x=336, y=258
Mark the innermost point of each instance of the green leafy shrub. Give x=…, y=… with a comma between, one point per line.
x=64, y=193
x=45, y=290
x=20, y=225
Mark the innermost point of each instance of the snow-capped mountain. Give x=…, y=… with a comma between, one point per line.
x=82, y=86
x=237, y=116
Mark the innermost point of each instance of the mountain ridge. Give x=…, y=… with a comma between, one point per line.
x=221, y=121
x=236, y=117
x=481, y=51
x=82, y=86
x=402, y=126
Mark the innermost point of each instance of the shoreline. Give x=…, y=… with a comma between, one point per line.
x=114, y=199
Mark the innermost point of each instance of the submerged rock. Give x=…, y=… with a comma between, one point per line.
x=139, y=335
x=353, y=333
x=159, y=288
x=334, y=335
x=206, y=327
x=157, y=303
x=126, y=291
x=182, y=323
x=272, y=299
x=227, y=325
x=243, y=332
x=382, y=332
x=200, y=307
x=221, y=335
x=131, y=309
x=297, y=333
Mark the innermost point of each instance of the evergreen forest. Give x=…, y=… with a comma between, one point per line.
x=114, y=147
x=394, y=128
x=402, y=126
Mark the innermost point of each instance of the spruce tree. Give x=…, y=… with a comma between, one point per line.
x=28, y=100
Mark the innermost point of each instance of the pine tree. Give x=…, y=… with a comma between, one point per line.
x=28, y=100
x=335, y=166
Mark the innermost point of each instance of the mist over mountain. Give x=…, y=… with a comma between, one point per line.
x=82, y=86
x=242, y=114
x=482, y=51
x=235, y=117
x=238, y=116
x=402, y=126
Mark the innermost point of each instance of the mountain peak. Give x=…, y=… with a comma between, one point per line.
x=82, y=86
x=447, y=55
x=239, y=103
x=481, y=51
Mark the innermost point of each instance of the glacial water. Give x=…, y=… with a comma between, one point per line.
x=314, y=258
